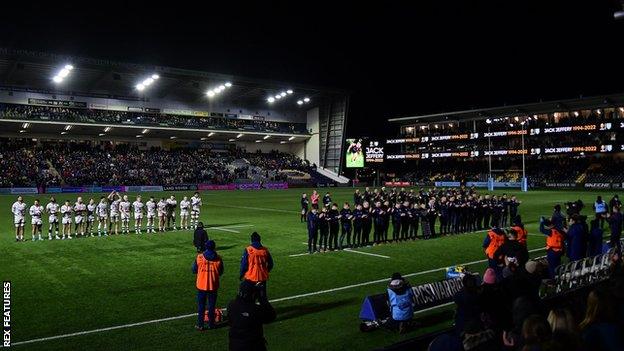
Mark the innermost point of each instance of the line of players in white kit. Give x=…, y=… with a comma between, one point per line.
x=112, y=214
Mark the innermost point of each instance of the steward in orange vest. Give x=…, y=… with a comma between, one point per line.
x=209, y=267
x=554, y=244
x=494, y=239
x=256, y=264
x=519, y=228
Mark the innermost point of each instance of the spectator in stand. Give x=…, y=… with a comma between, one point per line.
x=564, y=329
x=576, y=238
x=594, y=246
x=615, y=220
x=599, y=327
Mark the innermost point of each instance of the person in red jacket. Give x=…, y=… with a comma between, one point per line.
x=209, y=267
x=256, y=264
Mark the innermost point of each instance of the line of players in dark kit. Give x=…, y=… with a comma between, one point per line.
x=462, y=210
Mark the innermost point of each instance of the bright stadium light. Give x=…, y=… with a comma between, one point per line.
x=203, y=139
x=63, y=133
x=145, y=131
x=63, y=73
x=211, y=134
x=270, y=99
x=278, y=96
x=139, y=136
x=101, y=134
x=488, y=121
x=173, y=137
x=291, y=138
x=239, y=136
x=107, y=129
x=299, y=102
x=25, y=125
x=266, y=137
x=576, y=114
x=216, y=91
x=22, y=131
x=307, y=99
x=68, y=127
x=258, y=141
x=210, y=93
x=228, y=84
x=282, y=94
x=231, y=140
x=289, y=91
x=147, y=82
x=283, y=142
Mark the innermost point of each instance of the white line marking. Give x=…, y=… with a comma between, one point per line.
x=294, y=297
x=297, y=255
x=256, y=208
x=227, y=228
x=366, y=253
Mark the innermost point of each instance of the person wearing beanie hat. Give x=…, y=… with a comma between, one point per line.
x=200, y=237
x=256, y=264
x=401, y=299
x=208, y=267
x=489, y=276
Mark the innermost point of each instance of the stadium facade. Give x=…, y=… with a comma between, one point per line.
x=164, y=107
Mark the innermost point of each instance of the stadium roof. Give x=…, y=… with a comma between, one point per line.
x=596, y=102
x=33, y=71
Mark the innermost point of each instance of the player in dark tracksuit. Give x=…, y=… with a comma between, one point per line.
x=414, y=221
x=405, y=221
x=378, y=223
x=513, y=209
x=357, y=225
x=334, y=227
x=313, y=226
x=367, y=222
x=487, y=207
x=397, y=213
x=444, y=217
x=323, y=225
x=504, y=201
x=386, y=221
x=345, y=223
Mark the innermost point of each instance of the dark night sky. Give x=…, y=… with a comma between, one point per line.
x=429, y=56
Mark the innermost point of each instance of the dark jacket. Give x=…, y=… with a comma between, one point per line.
x=246, y=320
x=200, y=237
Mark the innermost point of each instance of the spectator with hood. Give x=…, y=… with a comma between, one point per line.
x=401, y=299
x=246, y=319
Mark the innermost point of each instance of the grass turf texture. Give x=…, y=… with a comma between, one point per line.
x=61, y=287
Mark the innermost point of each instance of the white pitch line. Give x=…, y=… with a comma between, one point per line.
x=294, y=297
x=228, y=228
x=257, y=208
x=301, y=254
x=366, y=253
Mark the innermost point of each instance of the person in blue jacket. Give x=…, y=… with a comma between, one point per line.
x=312, y=221
x=357, y=225
x=557, y=219
x=346, y=216
x=401, y=301
x=576, y=239
x=595, y=239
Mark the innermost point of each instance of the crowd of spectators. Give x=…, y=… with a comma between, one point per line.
x=85, y=115
x=48, y=163
x=505, y=312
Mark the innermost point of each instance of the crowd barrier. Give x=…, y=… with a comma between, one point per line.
x=142, y=188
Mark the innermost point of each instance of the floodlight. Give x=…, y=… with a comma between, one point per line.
x=155, y=76
x=68, y=127
x=488, y=121
x=258, y=141
x=25, y=125
x=230, y=140
x=271, y=99
x=145, y=131
x=57, y=79
x=299, y=102
x=63, y=133
x=139, y=136
x=69, y=67
x=283, y=94
x=173, y=137
x=221, y=87
x=107, y=129
x=22, y=131
x=101, y=134
x=210, y=93
x=228, y=84
x=140, y=87
x=278, y=96
x=289, y=91
x=306, y=99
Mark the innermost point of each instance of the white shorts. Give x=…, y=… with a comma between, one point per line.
x=90, y=218
x=114, y=217
x=195, y=212
x=150, y=215
x=78, y=219
x=102, y=218
x=125, y=216
x=66, y=220
x=53, y=219
x=36, y=221
x=138, y=215
x=184, y=213
x=18, y=220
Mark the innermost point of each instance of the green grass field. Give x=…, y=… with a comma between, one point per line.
x=71, y=286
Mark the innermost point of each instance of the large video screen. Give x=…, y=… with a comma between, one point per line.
x=354, y=157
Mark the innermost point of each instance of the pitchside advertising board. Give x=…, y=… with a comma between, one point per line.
x=363, y=152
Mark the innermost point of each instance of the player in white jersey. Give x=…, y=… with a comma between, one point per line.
x=196, y=204
x=18, y=209
x=150, y=209
x=102, y=215
x=124, y=211
x=91, y=207
x=138, y=214
x=114, y=200
x=66, y=213
x=185, y=206
x=52, y=208
x=162, y=214
x=172, y=203
x=36, y=212
x=80, y=212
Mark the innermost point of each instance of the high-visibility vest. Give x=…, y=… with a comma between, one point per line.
x=495, y=242
x=555, y=240
x=208, y=273
x=522, y=234
x=257, y=264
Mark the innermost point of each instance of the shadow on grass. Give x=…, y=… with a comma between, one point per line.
x=285, y=313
